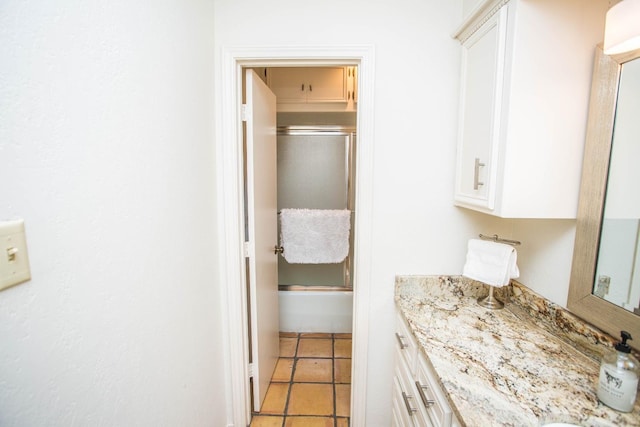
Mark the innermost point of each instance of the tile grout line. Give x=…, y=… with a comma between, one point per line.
x=333, y=377
x=293, y=371
x=333, y=338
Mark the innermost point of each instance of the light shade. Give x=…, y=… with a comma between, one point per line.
x=622, y=30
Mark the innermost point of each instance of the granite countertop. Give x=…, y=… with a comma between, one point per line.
x=525, y=365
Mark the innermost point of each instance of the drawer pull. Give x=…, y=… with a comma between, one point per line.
x=400, y=338
x=406, y=398
x=425, y=401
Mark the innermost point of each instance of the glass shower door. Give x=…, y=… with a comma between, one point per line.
x=314, y=172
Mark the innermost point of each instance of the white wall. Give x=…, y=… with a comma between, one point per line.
x=545, y=255
x=417, y=230
x=106, y=151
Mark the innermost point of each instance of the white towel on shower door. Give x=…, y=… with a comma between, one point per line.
x=315, y=236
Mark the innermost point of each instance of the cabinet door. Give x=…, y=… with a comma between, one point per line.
x=309, y=85
x=289, y=84
x=481, y=90
x=354, y=84
x=326, y=84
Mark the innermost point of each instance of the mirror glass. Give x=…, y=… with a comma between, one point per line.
x=617, y=277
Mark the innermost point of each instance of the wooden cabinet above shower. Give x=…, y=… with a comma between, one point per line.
x=313, y=88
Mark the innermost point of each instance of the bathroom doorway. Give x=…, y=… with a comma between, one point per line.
x=232, y=221
x=315, y=197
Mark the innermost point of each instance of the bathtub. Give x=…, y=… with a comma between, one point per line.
x=316, y=311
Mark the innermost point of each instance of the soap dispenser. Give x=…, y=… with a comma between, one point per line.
x=618, y=382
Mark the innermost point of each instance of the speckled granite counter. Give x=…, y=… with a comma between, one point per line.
x=527, y=364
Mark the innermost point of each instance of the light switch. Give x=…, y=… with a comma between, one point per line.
x=14, y=261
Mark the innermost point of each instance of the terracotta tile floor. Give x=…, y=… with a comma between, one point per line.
x=311, y=384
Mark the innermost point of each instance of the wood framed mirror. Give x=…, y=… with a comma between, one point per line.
x=603, y=104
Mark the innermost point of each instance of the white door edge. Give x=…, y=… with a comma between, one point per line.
x=229, y=176
x=262, y=219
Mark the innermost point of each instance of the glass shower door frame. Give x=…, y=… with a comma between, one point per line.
x=350, y=139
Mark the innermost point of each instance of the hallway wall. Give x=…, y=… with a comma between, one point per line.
x=106, y=151
x=416, y=228
x=416, y=86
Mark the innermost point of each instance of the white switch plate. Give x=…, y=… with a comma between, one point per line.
x=14, y=260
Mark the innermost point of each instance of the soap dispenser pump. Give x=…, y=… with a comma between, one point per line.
x=618, y=382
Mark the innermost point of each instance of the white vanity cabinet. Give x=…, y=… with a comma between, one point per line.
x=525, y=82
x=417, y=399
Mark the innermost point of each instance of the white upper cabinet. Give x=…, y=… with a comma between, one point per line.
x=484, y=66
x=313, y=88
x=525, y=81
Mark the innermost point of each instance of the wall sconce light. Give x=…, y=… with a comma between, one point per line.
x=622, y=28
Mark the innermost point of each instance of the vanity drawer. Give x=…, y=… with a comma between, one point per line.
x=418, y=399
x=399, y=412
x=431, y=397
x=410, y=402
x=406, y=344
x=406, y=397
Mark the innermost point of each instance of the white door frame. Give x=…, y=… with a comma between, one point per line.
x=230, y=186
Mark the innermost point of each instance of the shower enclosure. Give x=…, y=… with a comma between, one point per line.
x=315, y=171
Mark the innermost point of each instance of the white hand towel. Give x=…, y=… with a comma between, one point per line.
x=315, y=236
x=491, y=262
